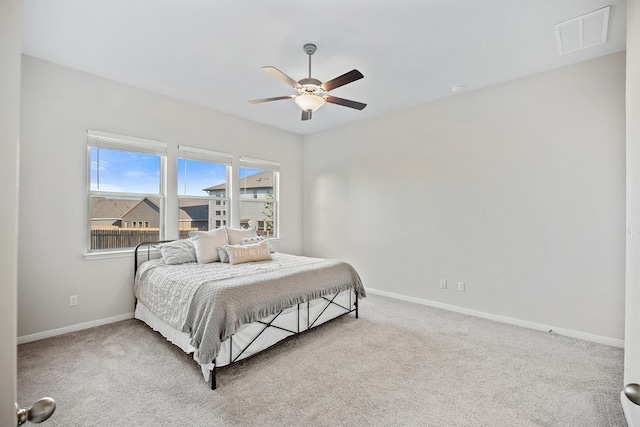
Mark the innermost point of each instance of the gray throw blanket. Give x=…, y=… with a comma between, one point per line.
x=211, y=301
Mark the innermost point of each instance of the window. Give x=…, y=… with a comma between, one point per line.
x=127, y=197
x=203, y=178
x=125, y=187
x=259, y=196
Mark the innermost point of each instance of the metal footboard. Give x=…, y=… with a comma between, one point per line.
x=233, y=359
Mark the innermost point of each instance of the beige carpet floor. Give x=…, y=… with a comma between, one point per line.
x=400, y=364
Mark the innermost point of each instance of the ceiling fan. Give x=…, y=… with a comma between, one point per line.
x=312, y=93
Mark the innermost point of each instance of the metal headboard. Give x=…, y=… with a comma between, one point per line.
x=141, y=247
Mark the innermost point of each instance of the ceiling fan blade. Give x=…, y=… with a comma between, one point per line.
x=345, y=102
x=277, y=98
x=306, y=115
x=282, y=76
x=342, y=80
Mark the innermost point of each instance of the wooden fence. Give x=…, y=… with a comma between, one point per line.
x=115, y=238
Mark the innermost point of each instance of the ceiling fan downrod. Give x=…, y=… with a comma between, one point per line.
x=309, y=49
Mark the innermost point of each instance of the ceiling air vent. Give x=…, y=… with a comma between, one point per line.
x=584, y=31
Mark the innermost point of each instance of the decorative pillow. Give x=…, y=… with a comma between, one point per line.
x=206, y=243
x=257, y=239
x=178, y=252
x=237, y=234
x=222, y=254
x=239, y=254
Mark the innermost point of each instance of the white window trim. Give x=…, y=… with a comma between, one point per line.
x=209, y=156
x=199, y=154
x=99, y=139
x=266, y=165
x=127, y=143
x=133, y=144
x=251, y=163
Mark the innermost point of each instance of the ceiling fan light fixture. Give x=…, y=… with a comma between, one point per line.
x=309, y=102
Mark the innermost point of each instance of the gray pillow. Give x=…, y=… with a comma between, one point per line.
x=256, y=239
x=223, y=254
x=178, y=252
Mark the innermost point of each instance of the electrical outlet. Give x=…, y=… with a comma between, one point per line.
x=461, y=286
x=443, y=283
x=73, y=300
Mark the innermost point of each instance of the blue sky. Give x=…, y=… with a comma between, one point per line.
x=193, y=176
x=121, y=171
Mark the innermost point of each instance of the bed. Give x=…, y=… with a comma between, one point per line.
x=225, y=310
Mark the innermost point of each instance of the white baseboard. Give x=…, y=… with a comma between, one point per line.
x=73, y=328
x=457, y=309
x=504, y=319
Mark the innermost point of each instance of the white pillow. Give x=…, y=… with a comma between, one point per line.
x=257, y=239
x=239, y=254
x=237, y=234
x=178, y=252
x=206, y=243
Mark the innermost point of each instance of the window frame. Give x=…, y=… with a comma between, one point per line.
x=264, y=165
x=213, y=157
x=111, y=141
x=167, y=153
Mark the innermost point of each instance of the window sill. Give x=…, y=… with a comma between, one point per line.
x=125, y=253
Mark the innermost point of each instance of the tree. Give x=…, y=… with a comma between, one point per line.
x=268, y=214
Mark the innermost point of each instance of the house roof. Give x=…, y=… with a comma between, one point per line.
x=106, y=207
x=258, y=180
x=195, y=209
x=113, y=208
x=154, y=203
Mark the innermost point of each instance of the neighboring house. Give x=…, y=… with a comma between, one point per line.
x=145, y=213
x=108, y=212
x=193, y=214
x=255, y=186
x=255, y=191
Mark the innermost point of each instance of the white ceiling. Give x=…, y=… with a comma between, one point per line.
x=210, y=52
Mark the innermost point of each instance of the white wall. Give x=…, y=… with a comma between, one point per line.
x=517, y=189
x=632, y=313
x=10, y=18
x=58, y=106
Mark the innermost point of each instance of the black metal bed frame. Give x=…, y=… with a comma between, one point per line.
x=353, y=308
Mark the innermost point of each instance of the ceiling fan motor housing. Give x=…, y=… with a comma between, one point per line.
x=310, y=86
